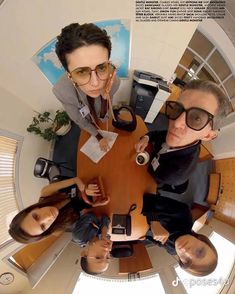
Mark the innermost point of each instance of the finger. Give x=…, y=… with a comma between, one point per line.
x=137, y=147
x=93, y=193
x=85, y=199
x=141, y=148
x=106, y=148
x=92, y=186
x=164, y=241
x=111, y=80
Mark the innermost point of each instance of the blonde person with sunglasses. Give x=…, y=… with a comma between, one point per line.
x=90, y=79
x=194, y=117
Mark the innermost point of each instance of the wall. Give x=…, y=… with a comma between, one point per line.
x=224, y=145
x=15, y=117
x=25, y=26
x=218, y=147
x=62, y=277
x=155, y=47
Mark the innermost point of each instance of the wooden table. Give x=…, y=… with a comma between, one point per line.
x=124, y=181
x=138, y=262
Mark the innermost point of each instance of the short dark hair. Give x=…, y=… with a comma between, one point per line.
x=75, y=36
x=205, y=270
x=214, y=89
x=65, y=218
x=84, y=266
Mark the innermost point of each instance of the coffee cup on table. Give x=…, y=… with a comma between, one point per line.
x=142, y=158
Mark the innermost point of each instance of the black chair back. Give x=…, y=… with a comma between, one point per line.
x=122, y=249
x=179, y=189
x=45, y=168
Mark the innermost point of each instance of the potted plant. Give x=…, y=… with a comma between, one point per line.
x=47, y=127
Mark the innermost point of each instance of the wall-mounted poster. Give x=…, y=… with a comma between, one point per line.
x=118, y=30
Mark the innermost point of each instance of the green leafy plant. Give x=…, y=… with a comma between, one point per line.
x=46, y=127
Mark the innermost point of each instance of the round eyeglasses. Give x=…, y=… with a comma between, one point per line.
x=196, y=118
x=82, y=75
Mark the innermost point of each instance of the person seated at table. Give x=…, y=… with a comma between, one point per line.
x=92, y=232
x=84, y=52
x=194, y=117
x=58, y=208
x=171, y=227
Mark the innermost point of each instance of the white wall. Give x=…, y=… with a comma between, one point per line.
x=15, y=116
x=224, y=145
x=61, y=278
x=25, y=26
x=20, y=281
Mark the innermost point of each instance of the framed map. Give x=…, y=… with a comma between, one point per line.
x=119, y=31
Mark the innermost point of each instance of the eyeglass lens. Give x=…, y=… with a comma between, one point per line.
x=82, y=75
x=196, y=118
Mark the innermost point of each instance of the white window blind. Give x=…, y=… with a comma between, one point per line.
x=8, y=204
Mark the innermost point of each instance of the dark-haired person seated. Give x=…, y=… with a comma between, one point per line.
x=90, y=79
x=58, y=208
x=171, y=227
x=194, y=117
x=91, y=231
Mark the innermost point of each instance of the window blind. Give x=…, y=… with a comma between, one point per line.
x=8, y=204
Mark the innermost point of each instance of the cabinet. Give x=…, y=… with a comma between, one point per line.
x=142, y=97
x=148, y=96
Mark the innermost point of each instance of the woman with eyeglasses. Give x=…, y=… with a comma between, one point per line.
x=90, y=79
x=58, y=208
x=194, y=117
x=171, y=228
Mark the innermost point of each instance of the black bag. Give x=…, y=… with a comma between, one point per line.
x=121, y=249
x=121, y=124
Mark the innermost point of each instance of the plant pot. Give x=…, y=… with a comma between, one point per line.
x=63, y=130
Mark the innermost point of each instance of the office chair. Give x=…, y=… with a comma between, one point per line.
x=179, y=189
x=122, y=249
x=48, y=169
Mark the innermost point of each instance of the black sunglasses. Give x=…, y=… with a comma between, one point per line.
x=196, y=118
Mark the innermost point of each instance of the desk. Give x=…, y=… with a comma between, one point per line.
x=138, y=262
x=124, y=181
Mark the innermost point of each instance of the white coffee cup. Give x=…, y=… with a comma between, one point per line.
x=142, y=158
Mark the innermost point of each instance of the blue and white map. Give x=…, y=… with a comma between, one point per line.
x=119, y=31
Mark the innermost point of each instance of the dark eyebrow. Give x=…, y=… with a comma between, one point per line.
x=82, y=67
x=201, y=252
x=34, y=216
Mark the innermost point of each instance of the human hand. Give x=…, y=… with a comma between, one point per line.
x=93, y=190
x=80, y=184
x=104, y=146
x=93, y=196
x=106, y=90
x=159, y=232
x=142, y=144
x=101, y=201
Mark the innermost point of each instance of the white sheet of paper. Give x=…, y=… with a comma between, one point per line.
x=92, y=149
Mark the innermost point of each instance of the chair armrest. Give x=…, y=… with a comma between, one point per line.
x=214, y=188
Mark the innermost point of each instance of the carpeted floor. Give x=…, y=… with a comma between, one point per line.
x=65, y=151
